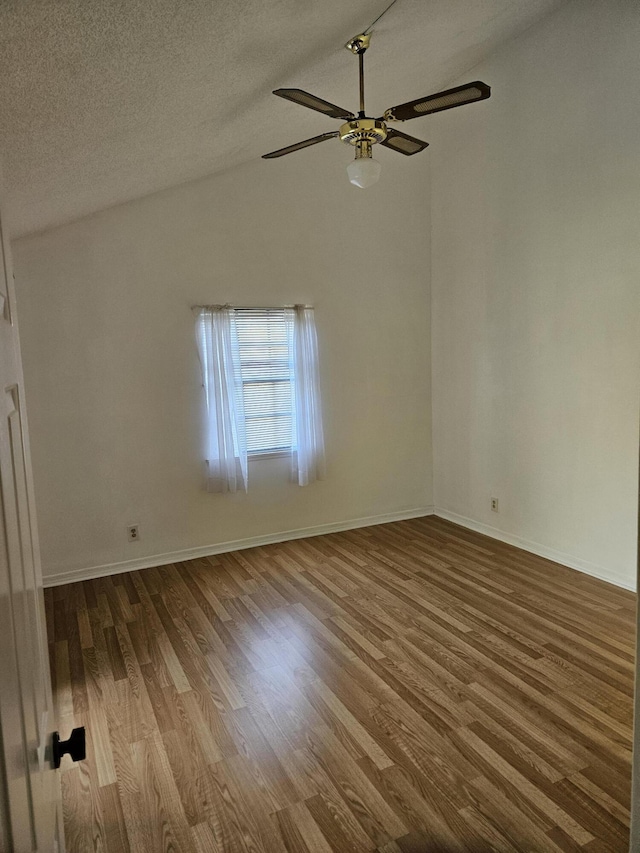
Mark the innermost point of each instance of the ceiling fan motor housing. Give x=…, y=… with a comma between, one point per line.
x=361, y=130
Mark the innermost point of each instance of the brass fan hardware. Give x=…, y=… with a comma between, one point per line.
x=363, y=132
x=359, y=44
x=359, y=130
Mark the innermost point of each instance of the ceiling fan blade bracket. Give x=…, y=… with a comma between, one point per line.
x=389, y=116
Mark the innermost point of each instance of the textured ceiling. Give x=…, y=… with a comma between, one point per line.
x=103, y=101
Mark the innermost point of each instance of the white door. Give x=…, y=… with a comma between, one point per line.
x=29, y=788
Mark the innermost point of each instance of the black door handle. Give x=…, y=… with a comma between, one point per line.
x=75, y=746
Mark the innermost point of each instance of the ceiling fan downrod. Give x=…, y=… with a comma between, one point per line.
x=359, y=45
x=362, y=132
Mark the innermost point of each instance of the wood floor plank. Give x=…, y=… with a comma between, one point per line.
x=235, y=828
x=278, y=791
x=115, y=830
x=76, y=811
x=404, y=793
x=64, y=691
x=165, y=822
x=403, y=688
x=372, y=811
x=514, y=778
x=204, y=839
x=497, y=810
x=300, y=833
x=337, y=712
x=340, y=834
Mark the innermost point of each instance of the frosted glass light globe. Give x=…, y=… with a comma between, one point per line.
x=364, y=172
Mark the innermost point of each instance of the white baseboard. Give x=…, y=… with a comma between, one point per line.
x=571, y=562
x=580, y=565
x=75, y=575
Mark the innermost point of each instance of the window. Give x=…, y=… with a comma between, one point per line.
x=267, y=375
x=261, y=391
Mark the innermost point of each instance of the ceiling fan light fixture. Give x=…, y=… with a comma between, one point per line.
x=364, y=171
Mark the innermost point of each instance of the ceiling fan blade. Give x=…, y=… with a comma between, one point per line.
x=298, y=145
x=446, y=100
x=298, y=96
x=407, y=145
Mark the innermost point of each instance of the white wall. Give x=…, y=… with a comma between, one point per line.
x=536, y=353
x=111, y=369
x=536, y=291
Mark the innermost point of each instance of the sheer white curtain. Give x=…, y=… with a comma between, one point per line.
x=307, y=440
x=226, y=447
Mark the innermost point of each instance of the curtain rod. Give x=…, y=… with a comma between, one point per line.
x=249, y=307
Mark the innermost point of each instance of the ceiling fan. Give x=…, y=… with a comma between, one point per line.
x=364, y=132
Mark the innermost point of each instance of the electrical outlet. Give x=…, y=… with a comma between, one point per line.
x=494, y=504
x=133, y=533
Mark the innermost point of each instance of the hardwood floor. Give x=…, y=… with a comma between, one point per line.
x=403, y=688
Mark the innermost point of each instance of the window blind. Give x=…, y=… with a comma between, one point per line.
x=266, y=378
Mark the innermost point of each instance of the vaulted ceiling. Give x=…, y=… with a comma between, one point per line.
x=103, y=101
